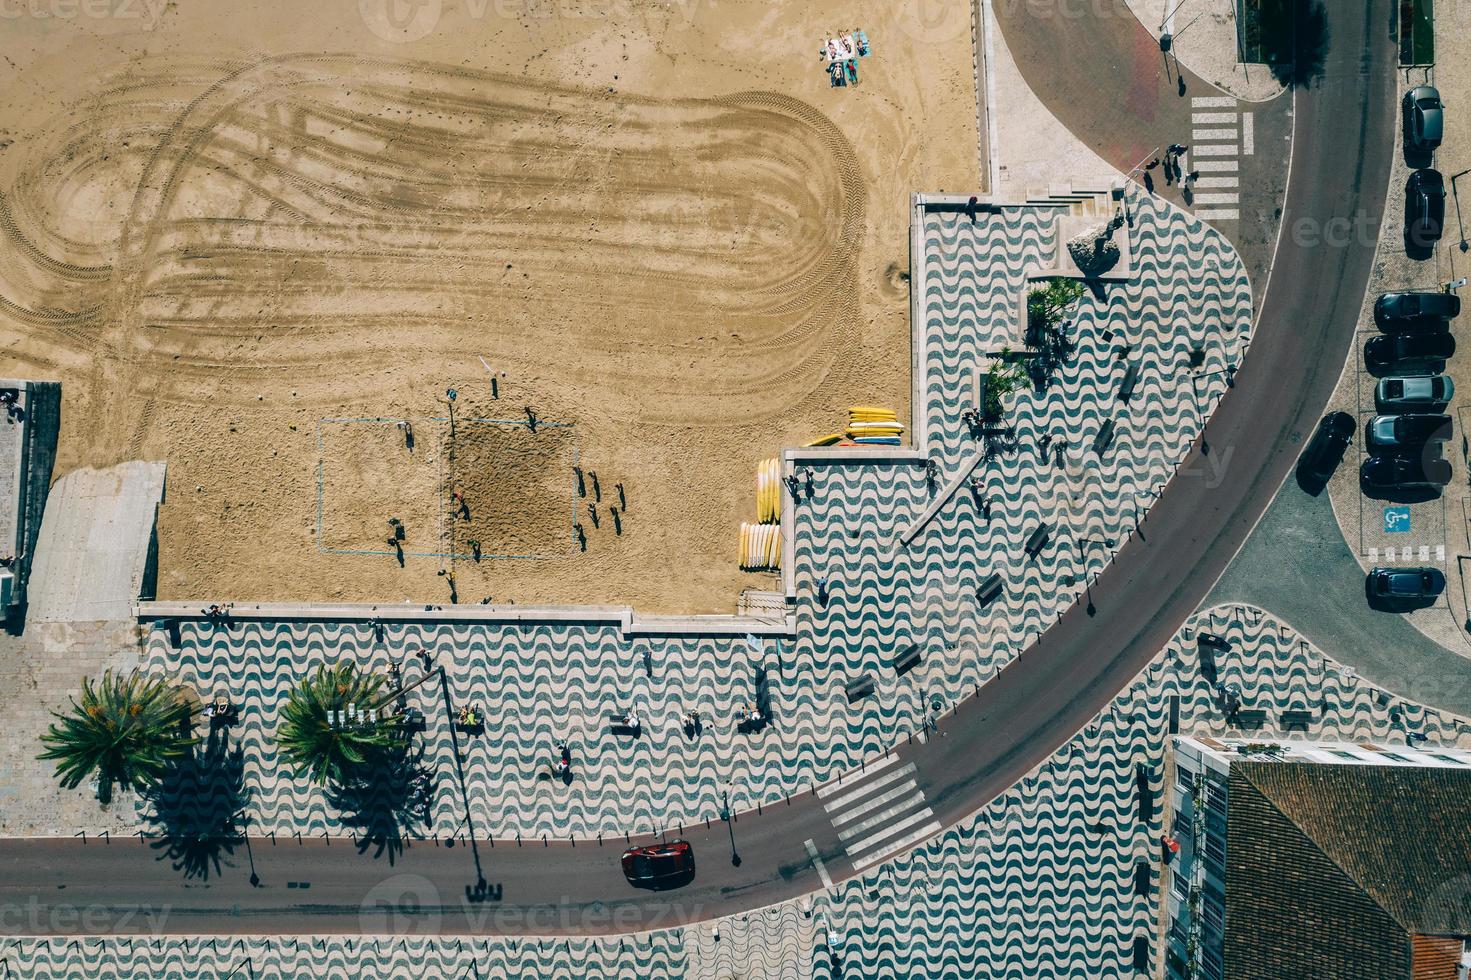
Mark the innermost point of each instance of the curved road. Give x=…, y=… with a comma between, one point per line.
x=1344, y=131
x=1299, y=540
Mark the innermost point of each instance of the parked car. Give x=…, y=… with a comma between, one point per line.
x=1325, y=449
x=1426, y=394
x=1405, y=351
x=1404, y=433
x=1398, y=586
x=1404, y=473
x=665, y=865
x=1415, y=312
x=1424, y=118
x=1424, y=208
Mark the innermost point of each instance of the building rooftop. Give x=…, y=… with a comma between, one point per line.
x=1401, y=833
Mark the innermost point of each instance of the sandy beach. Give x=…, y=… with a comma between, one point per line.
x=652, y=224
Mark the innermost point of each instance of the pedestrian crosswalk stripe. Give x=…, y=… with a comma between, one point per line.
x=868, y=787
x=1206, y=182
x=928, y=830
x=1214, y=134
x=876, y=811
x=1248, y=134
x=887, y=833
x=881, y=816
x=1213, y=102
x=1217, y=166
x=1218, y=214
x=904, y=788
x=1217, y=198
x=879, y=764
x=1216, y=150
x=1212, y=117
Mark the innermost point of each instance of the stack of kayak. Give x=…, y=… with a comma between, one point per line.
x=768, y=492
x=761, y=542
x=870, y=425
x=760, y=547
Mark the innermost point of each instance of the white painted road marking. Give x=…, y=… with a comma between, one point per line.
x=878, y=812
x=927, y=830
x=827, y=881
x=1217, y=144
x=869, y=769
x=1248, y=135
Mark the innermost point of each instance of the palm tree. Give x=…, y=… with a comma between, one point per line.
x=326, y=732
x=126, y=730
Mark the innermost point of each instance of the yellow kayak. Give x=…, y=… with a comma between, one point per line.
x=826, y=440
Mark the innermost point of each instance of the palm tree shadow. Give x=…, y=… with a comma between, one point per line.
x=198, y=807
x=1295, y=40
x=387, y=799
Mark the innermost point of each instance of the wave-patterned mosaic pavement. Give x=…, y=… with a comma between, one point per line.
x=1040, y=884
x=1182, y=323
x=542, y=683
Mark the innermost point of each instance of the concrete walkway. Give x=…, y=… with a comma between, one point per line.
x=1296, y=565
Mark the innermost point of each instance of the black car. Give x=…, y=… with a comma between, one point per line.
x=1403, y=351
x=1424, y=118
x=1415, y=312
x=665, y=865
x=1403, y=434
x=1326, y=447
x=1424, y=208
x=1405, y=586
x=1404, y=473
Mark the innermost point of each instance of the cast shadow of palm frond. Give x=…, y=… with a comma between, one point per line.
x=386, y=799
x=198, y=807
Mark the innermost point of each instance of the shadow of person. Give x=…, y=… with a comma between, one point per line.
x=198, y=807
x=386, y=799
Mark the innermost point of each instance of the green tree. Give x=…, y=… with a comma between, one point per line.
x=1046, y=306
x=320, y=738
x=1007, y=376
x=126, y=730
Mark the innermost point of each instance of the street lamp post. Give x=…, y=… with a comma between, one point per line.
x=1459, y=225
x=729, y=819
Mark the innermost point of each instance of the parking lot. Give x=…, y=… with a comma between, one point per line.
x=1424, y=526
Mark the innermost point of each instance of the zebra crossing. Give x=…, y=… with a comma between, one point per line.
x=880, y=813
x=1221, y=135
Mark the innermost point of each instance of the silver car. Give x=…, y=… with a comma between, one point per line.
x=1397, y=394
x=1424, y=116
x=1399, y=434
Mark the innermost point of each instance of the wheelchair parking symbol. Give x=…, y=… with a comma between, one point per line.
x=1396, y=520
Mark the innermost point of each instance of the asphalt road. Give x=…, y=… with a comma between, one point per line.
x=1344, y=132
x=1299, y=540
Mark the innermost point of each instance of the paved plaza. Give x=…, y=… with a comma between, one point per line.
x=1040, y=883
x=544, y=682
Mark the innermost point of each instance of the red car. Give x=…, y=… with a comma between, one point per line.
x=666, y=865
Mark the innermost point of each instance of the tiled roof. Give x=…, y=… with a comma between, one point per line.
x=1401, y=834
